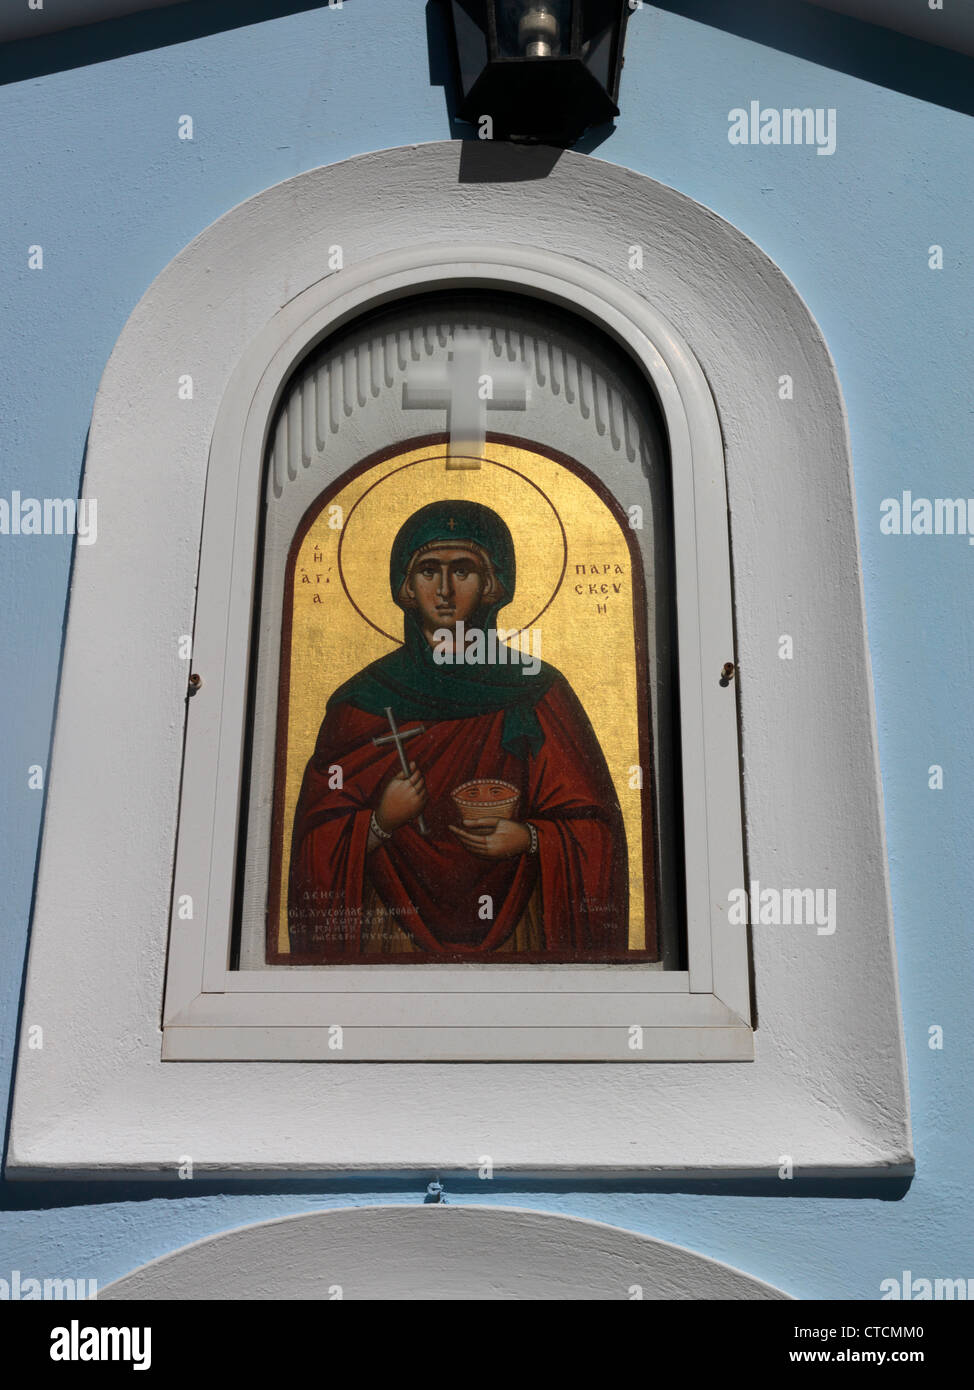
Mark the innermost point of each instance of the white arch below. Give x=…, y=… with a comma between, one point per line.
x=435, y=1252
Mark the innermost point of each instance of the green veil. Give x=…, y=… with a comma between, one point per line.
x=411, y=682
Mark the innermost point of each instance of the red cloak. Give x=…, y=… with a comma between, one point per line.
x=435, y=889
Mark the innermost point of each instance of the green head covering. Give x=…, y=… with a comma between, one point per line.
x=453, y=523
x=416, y=686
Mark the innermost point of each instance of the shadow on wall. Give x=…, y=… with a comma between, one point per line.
x=137, y=33
x=461, y=1188
x=835, y=41
x=145, y=30
x=873, y=54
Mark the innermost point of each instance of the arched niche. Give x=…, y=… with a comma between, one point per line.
x=715, y=325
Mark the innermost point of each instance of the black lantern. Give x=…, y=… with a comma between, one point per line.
x=542, y=70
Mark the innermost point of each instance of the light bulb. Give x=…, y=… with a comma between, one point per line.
x=538, y=32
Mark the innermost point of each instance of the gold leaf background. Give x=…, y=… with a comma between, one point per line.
x=330, y=640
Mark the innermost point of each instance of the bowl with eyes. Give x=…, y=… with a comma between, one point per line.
x=486, y=798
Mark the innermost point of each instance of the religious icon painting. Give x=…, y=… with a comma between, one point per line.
x=463, y=748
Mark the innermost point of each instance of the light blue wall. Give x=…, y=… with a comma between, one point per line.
x=94, y=172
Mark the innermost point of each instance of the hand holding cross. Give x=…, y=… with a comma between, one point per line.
x=399, y=739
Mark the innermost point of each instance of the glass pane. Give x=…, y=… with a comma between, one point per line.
x=534, y=28
x=491, y=610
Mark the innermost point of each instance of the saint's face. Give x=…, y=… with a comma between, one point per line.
x=447, y=584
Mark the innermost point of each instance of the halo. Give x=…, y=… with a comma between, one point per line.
x=372, y=523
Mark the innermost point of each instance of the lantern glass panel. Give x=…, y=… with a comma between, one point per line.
x=599, y=26
x=534, y=28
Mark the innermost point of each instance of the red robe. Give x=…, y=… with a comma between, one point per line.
x=434, y=886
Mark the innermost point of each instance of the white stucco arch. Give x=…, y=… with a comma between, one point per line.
x=827, y=1085
x=436, y=1253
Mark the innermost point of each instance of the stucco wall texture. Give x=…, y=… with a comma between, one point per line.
x=95, y=173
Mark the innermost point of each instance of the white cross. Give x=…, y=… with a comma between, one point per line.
x=469, y=386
